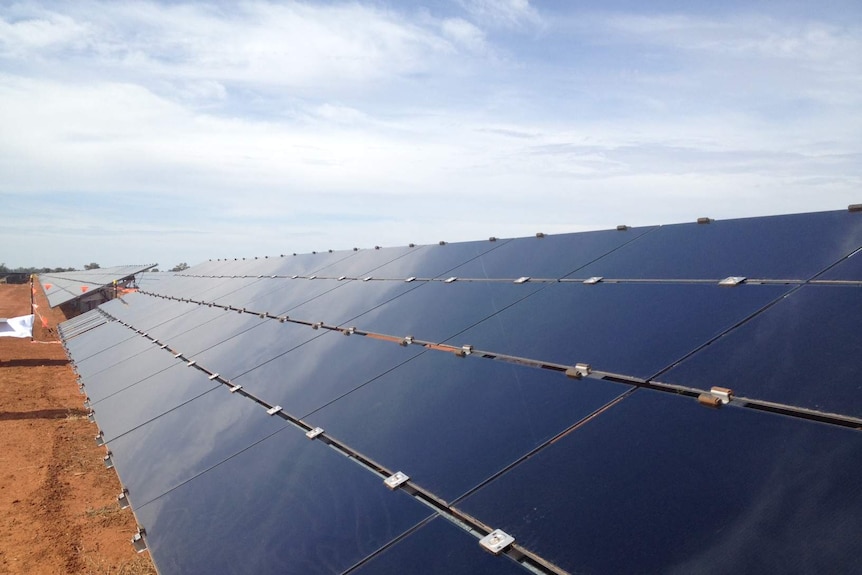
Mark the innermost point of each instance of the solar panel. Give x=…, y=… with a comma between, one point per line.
x=438, y=547
x=659, y=484
x=671, y=398
x=812, y=369
x=283, y=504
x=64, y=287
x=795, y=246
x=451, y=423
x=631, y=329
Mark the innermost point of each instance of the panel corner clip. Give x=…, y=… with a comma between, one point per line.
x=579, y=370
x=496, y=541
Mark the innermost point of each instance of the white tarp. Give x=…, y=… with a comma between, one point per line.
x=16, y=326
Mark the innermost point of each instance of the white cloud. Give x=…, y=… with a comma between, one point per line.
x=295, y=44
x=45, y=32
x=502, y=13
x=341, y=124
x=464, y=33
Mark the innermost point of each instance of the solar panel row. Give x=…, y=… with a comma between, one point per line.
x=206, y=385
x=66, y=286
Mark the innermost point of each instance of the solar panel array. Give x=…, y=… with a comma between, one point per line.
x=681, y=398
x=63, y=287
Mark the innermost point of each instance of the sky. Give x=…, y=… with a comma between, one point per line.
x=167, y=132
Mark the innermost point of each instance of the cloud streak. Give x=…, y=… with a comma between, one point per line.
x=466, y=120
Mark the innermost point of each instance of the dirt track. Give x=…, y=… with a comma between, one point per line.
x=58, y=508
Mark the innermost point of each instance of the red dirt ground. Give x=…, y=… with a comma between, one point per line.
x=58, y=507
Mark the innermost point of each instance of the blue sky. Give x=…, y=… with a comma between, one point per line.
x=138, y=132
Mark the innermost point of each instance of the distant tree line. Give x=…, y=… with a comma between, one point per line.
x=31, y=270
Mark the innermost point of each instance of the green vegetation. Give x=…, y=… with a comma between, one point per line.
x=31, y=270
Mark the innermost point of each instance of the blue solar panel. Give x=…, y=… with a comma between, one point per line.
x=285, y=504
x=778, y=247
x=631, y=329
x=435, y=260
x=96, y=341
x=149, y=398
x=587, y=420
x=201, y=434
x=849, y=269
x=115, y=352
x=133, y=369
x=246, y=349
x=450, y=422
x=797, y=352
x=438, y=547
x=553, y=256
x=659, y=484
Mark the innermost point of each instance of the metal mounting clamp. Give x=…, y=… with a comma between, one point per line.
x=396, y=480
x=496, y=541
x=314, y=432
x=579, y=370
x=138, y=541
x=716, y=397
x=732, y=281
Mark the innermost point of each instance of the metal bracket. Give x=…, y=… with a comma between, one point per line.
x=123, y=499
x=464, y=351
x=367, y=278
x=342, y=278
x=716, y=397
x=311, y=277
x=406, y=341
x=396, y=480
x=410, y=279
x=138, y=541
x=273, y=410
x=314, y=432
x=593, y=280
x=109, y=461
x=100, y=439
x=732, y=281
x=622, y=228
x=522, y=280
x=235, y=388
x=213, y=376
x=450, y=280
x=91, y=417
x=191, y=363
x=496, y=541
x=579, y=370
x=722, y=393
x=854, y=208
x=704, y=220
